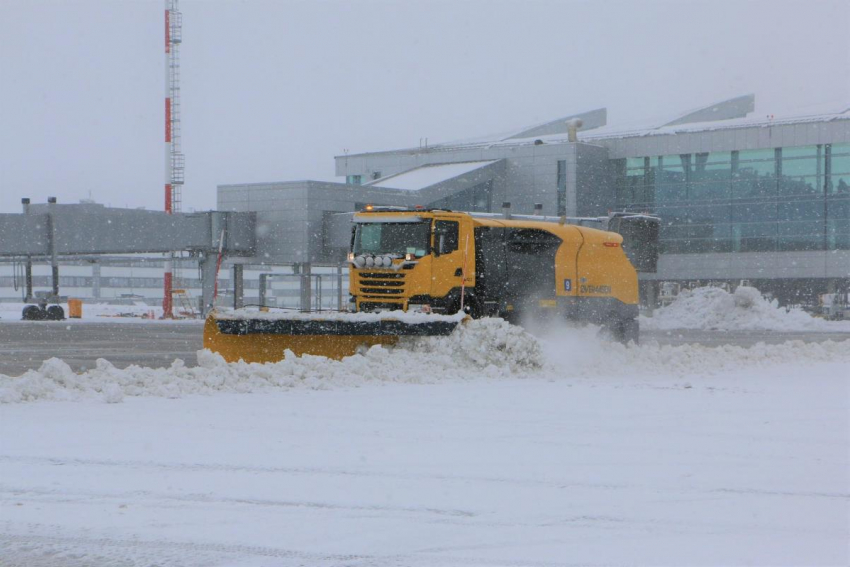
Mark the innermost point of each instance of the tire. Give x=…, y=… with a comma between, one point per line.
x=55, y=313
x=32, y=313
x=630, y=331
x=621, y=330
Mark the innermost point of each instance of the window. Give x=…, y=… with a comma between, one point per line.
x=792, y=198
x=446, y=236
x=838, y=184
x=840, y=163
x=768, y=155
x=635, y=164
x=391, y=238
x=354, y=179
x=532, y=241
x=838, y=223
x=800, y=170
x=710, y=176
x=376, y=175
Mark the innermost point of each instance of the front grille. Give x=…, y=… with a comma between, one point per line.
x=381, y=291
x=381, y=275
x=381, y=285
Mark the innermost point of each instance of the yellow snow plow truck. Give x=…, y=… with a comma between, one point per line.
x=418, y=272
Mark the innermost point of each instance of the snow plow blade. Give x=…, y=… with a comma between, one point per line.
x=264, y=338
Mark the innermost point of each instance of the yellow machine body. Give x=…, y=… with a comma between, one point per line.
x=588, y=263
x=269, y=347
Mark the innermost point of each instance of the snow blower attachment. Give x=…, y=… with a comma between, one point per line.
x=255, y=336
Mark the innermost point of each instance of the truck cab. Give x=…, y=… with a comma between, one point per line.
x=410, y=259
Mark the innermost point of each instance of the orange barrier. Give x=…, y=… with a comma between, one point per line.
x=75, y=308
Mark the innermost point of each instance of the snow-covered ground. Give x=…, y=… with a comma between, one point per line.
x=485, y=448
x=745, y=309
x=97, y=312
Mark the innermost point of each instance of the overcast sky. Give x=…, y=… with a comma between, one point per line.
x=273, y=90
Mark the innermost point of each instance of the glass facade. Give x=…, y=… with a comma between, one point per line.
x=778, y=199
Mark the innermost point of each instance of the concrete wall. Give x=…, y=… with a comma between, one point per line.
x=594, y=183
x=282, y=220
x=529, y=175
x=753, y=265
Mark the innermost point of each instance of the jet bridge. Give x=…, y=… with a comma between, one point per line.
x=49, y=231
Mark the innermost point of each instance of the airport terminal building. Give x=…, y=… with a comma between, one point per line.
x=740, y=196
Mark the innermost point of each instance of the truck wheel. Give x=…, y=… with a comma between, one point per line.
x=630, y=331
x=621, y=330
x=55, y=313
x=31, y=313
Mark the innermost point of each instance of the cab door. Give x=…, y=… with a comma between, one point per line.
x=447, y=262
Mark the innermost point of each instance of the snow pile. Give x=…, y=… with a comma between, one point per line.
x=483, y=349
x=577, y=353
x=491, y=344
x=490, y=348
x=745, y=310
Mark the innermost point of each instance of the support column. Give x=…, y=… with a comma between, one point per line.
x=651, y=296
x=25, y=203
x=263, y=284
x=28, y=278
x=207, y=264
x=51, y=232
x=306, y=290
x=95, y=274
x=54, y=276
x=238, y=286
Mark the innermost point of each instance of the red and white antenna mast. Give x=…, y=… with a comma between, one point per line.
x=174, y=160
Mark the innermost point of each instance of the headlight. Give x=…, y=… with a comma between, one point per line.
x=351, y=256
x=378, y=261
x=408, y=257
x=359, y=261
x=370, y=261
x=388, y=261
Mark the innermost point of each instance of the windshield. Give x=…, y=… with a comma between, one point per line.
x=391, y=238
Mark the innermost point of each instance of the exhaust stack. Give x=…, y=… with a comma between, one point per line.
x=506, y=210
x=572, y=129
